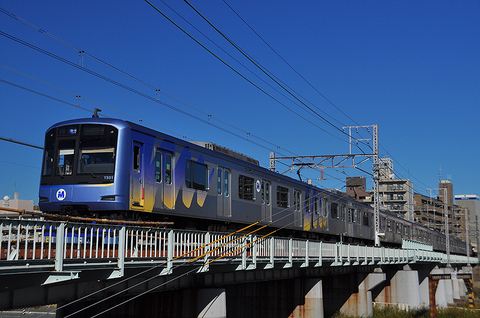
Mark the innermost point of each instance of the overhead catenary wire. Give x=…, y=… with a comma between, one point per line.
x=99, y=60
x=268, y=73
x=129, y=75
x=263, y=69
x=240, y=74
x=290, y=66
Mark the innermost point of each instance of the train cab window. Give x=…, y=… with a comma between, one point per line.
x=246, y=188
x=158, y=166
x=49, y=153
x=334, y=211
x=196, y=175
x=282, y=197
x=65, y=157
x=168, y=171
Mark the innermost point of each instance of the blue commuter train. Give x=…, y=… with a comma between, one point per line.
x=117, y=169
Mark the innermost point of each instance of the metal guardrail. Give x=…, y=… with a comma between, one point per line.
x=29, y=244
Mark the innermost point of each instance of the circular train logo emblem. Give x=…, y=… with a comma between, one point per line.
x=61, y=194
x=258, y=186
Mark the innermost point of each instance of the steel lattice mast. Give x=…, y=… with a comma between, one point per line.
x=376, y=177
x=341, y=163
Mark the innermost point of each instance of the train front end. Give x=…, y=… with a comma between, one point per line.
x=82, y=167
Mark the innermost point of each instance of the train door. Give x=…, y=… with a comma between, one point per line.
x=138, y=182
x=164, y=161
x=224, y=203
x=266, y=201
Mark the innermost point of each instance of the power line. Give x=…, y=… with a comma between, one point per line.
x=289, y=65
x=21, y=143
x=131, y=76
x=142, y=82
x=262, y=69
x=238, y=73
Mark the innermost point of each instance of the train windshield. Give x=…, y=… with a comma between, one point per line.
x=80, y=154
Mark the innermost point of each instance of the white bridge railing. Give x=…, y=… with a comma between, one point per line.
x=28, y=244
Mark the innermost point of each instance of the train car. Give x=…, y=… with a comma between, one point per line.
x=118, y=169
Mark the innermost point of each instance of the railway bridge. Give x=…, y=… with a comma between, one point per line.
x=122, y=270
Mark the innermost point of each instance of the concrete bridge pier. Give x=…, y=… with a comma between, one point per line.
x=212, y=303
x=441, y=298
x=424, y=287
x=360, y=303
x=313, y=304
x=402, y=288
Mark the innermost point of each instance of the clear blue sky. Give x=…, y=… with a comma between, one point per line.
x=412, y=67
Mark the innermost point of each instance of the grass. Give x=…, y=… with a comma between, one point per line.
x=389, y=312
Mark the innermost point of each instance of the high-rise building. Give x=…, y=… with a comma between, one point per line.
x=471, y=202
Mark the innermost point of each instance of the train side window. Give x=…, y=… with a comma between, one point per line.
x=343, y=211
x=246, y=188
x=316, y=205
x=324, y=207
x=158, y=166
x=334, y=211
x=196, y=175
x=365, y=218
x=389, y=226
x=227, y=181
x=136, y=158
x=267, y=192
x=168, y=169
x=219, y=181
x=307, y=203
x=282, y=197
x=296, y=200
x=351, y=215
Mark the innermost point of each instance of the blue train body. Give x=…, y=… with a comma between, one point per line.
x=108, y=166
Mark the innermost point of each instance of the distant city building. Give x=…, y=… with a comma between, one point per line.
x=396, y=195
x=472, y=203
x=15, y=204
x=357, y=188
x=430, y=212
